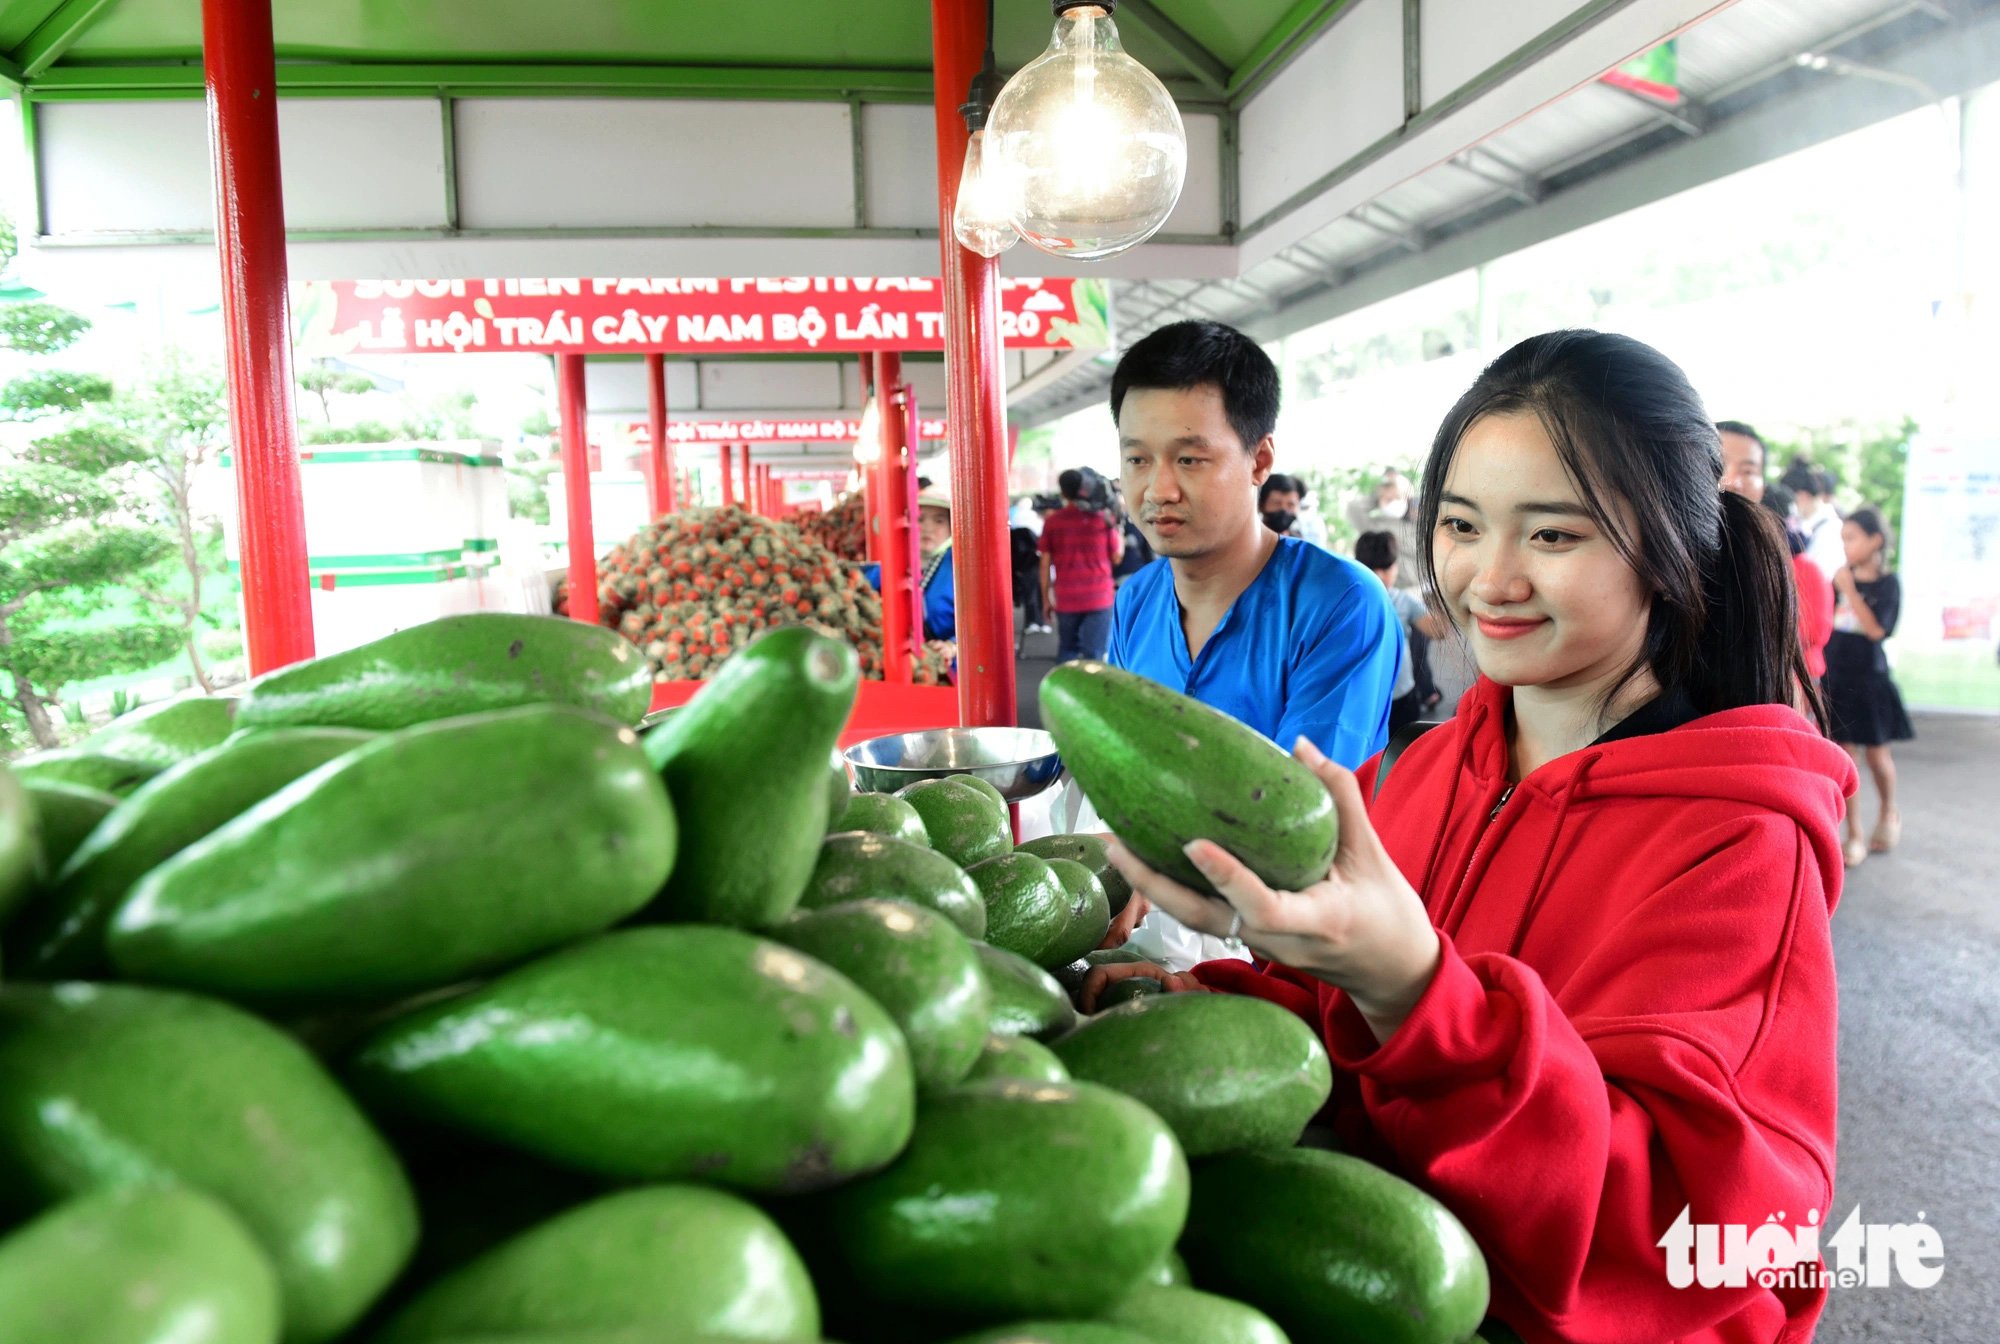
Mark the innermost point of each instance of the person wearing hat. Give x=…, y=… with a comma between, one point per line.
x=934, y=544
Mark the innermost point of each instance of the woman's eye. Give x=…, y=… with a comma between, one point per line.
x=1457, y=527
x=1549, y=536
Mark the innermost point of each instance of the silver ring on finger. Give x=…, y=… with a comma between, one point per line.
x=1235, y=933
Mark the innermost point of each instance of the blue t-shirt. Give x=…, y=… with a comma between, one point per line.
x=940, y=598
x=1309, y=649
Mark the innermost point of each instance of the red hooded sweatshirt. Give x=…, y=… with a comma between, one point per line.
x=1634, y=1013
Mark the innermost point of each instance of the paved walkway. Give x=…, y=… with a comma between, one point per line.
x=1917, y=934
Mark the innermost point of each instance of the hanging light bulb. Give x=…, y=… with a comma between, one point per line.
x=982, y=218
x=1089, y=139
x=868, y=442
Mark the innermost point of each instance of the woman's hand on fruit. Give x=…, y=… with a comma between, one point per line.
x=1102, y=978
x=1136, y=909
x=1362, y=928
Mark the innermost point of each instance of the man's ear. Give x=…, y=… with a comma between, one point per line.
x=1262, y=458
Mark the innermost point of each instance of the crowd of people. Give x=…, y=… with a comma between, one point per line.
x=1572, y=958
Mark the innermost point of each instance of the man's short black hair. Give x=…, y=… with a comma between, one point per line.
x=1738, y=427
x=1070, y=483
x=1185, y=355
x=1277, y=483
x=1376, y=550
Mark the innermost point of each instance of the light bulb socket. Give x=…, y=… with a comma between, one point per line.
x=1062, y=7
x=979, y=98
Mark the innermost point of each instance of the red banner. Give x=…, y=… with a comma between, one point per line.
x=772, y=315
x=802, y=429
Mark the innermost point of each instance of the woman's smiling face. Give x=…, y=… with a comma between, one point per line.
x=1540, y=590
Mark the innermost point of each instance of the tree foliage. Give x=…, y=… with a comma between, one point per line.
x=76, y=527
x=40, y=328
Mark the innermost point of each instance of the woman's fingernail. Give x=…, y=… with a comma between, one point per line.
x=1308, y=752
x=1197, y=853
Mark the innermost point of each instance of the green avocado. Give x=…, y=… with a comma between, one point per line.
x=61, y=936
x=1171, y=1272
x=421, y=858
x=20, y=844
x=917, y=965
x=859, y=865
x=1130, y=988
x=1056, y=1332
x=112, y=774
x=883, y=814
x=1027, y=910
x=1163, y=769
x=455, y=665
x=1225, y=1070
x=1385, y=1261
x=839, y=788
x=746, y=763
x=1184, y=1316
x=1027, y=1001
x=993, y=794
x=1094, y=853
x=1015, y=1199
x=1017, y=1057
x=113, y=1085
x=142, y=1264
x=1089, y=912
x=665, y=1257
x=963, y=822
x=167, y=733
x=68, y=813
x=661, y=1053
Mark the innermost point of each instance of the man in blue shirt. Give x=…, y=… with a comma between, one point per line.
x=1271, y=630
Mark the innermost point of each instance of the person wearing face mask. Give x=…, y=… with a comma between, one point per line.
x=940, y=612
x=1286, y=637
x=1281, y=501
x=1387, y=508
x=1572, y=960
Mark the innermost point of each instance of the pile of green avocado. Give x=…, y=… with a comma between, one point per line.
x=414, y=998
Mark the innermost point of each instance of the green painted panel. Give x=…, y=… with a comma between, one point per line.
x=18, y=18
x=822, y=34
x=857, y=33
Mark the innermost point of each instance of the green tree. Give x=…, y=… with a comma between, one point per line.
x=72, y=531
x=66, y=537
x=325, y=381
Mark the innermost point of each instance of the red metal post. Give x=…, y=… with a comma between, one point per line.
x=240, y=68
x=728, y=458
x=661, y=477
x=893, y=522
x=749, y=494
x=573, y=407
x=982, y=569
x=905, y=500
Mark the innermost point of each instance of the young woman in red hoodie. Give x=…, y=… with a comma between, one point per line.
x=1572, y=958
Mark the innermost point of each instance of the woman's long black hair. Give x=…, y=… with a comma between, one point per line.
x=1628, y=426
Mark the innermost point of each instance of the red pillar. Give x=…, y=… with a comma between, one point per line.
x=241, y=72
x=728, y=454
x=904, y=499
x=573, y=407
x=982, y=569
x=892, y=522
x=661, y=477
x=749, y=495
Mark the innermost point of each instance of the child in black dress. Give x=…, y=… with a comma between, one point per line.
x=1864, y=709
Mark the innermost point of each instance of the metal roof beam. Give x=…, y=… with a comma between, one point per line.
x=688, y=81
x=1495, y=171
x=1953, y=61
x=1380, y=219
x=1207, y=68
x=54, y=34
x=1686, y=116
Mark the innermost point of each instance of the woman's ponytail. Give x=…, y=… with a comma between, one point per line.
x=1749, y=650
